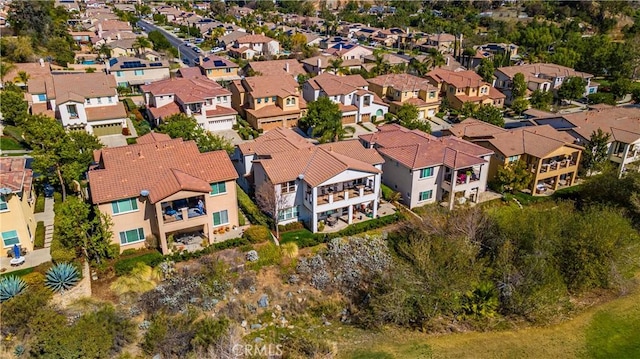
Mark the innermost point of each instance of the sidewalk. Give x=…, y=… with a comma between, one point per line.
x=47, y=217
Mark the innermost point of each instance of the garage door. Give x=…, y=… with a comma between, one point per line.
x=431, y=113
x=366, y=117
x=349, y=119
x=110, y=129
x=266, y=126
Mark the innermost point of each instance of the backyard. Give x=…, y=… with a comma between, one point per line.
x=8, y=143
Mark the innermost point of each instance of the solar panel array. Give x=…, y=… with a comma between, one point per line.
x=219, y=63
x=113, y=62
x=132, y=65
x=155, y=64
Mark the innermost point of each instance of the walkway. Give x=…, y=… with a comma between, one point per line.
x=47, y=218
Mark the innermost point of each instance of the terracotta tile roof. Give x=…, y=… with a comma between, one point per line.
x=472, y=128
x=42, y=109
x=459, y=79
x=189, y=72
x=116, y=111
x=110, y=25
x=270, y=111
x=623, y=123
x=537, y=141
x=347, y=108
x=334, y=85
x=277, y=67
x=277, y=140
x=403, y=82
x=324, y=60
x=416, y=149
x=78, y=87
x=161, y=166
x=152, y=137
x=254, y=39
x=266, y=86
x=164, y=111
x=221, y=111
x=354, y=149
x=33, y=69
x=495, y=94
x=187, y=90
x=15, y=175
x=530, y=71
x=119, y=63
x=216, y=62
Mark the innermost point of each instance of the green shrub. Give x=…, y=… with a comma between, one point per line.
x=293, y=226
x=57, y=197
x=268, y=255
x=129, y=252
x=125, y=265
x=13, y=132
x=250, y=209
x=131, y=141
x=241, y=220
x=39, y=239
x=129, y=104
x=61, y=254
x=257, y=234
x=387, y=192
x=39, y=207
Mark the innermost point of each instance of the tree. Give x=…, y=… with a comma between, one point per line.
x=541, y=100
x=621, y=87
x=272, y=201
x=601, y=97
x=5, y=68
x=520, y=105
x=140, y=44
x=335, y=66
x=486, y=70
x=514, y=177
x=325, y=117
x=14, y=107
x=18, y=49
x=468, y=109
x=407, y=112
x=104, y=50
x=490, y=114
x=635, y=94
x=519, y=86
x=182, y=126
x=572, y=88
x=596, y=152
x=158, y=40
x=22, y=77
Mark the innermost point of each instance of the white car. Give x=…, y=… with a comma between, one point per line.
x=197, y=50
x=188, y=44
x=215, y=50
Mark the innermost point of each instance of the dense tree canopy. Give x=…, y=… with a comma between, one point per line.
x=325, y=118
x=185, y=127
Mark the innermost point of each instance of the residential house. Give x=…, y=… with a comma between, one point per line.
x=249, y=46
x=390, y=59
x=621, y=123
x=122, y=48
x=426, y=169
x=81, y=37
x=442, y=42
x=267, y=102
x=339, y=180
x=35, y=70
x=17, y=201
x=218, y=68
x=349, y=51
x=133, y=72
x=227, y=40
x=319, y=64
x=173, y=14
x=86, y=101
x=541, y=76
x=351, y=93
x=511, y=50
x=165, y=188
x=288, y=67
x=465, y=86
x=398, y=89
x=388, y=37
x=551, y=156
x=204, y=99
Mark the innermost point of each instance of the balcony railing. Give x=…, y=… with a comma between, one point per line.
x=348, y=193
x=554, y=166
x=183, y=209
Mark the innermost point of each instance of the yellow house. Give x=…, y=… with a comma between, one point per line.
x=17, y=201
x=550, y=155
x=398, y=89
x=268, y=102
x=218, y=68
x=166, y=188
x=465, y=86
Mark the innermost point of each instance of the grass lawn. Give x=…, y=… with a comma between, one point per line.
x=39, y=208
x=8, y=143
x=39, y=240
x=610, y=330
x=18, y=273
x=295, y=236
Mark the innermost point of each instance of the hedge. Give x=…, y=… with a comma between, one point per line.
x=257, y=234
x=250, y=209
x=293, y=226
x=387, y=192
x=185, y=256
x=39, y=208
x=126, y=265
x=129, y=104
x=39, y=239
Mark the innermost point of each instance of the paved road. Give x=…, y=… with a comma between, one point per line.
x=185, y=52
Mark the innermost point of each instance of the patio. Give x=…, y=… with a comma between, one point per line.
x=342, y=222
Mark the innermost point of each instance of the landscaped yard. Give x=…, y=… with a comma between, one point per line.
x=610, y=330
x=39, y=208
x=8, y=143
x=296, y=236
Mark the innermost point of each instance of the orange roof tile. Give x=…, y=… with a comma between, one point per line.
x=100, y=113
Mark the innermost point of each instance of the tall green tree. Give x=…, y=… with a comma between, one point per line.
x=486, y=70
x=572, y=88
x=514, y=177
x=519, y=86
x=140, y=44
x=520, y=105
x=325, y=117
x=490, y=114
x=541, y=100
x=14, y=107
x=185, y=127
x=407, y=116
x=5, y=68
x=596, y=152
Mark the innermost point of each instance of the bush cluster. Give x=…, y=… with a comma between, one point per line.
x=126, y=265
x=257, y=234
x=250, y=209
x=293, y=226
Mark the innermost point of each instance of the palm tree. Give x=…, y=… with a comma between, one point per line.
x=140, y=44
x=104, y=50
x=436, y=59
x=332, y=130
x=335, y=66
x=382, y=66
x=5, y=68
x=22, y=77
x=418, y=67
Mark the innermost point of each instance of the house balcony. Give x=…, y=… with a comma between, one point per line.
x=556, y=164
x=345, y=194
x=464, y=176
x=184, y=209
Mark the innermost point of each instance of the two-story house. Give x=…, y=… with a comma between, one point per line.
x=349, y=51
x=204, y=99
x=398, y=89
x=322, y=63
x=287, y=67
x=218, y=68
x=541, y=76
x=267, y=102
x=249, y=46
x=163, y=187
x=133, y=72
x=87, y=101
x=351, y=93
x=17, y=201
x=426, y=169
x=621, y=123
x=465, y=86
x=551, y=156
x=329, y=182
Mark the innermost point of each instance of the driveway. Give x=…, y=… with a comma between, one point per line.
x=113, y=140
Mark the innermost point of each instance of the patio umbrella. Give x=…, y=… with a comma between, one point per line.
x=16, y=251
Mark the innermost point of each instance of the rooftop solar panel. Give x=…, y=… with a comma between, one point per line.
x=219, y=63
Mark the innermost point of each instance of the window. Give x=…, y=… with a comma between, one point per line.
x=227, y=70
x=138, y=72
x=287, y=214
x=73, y=111
x=426, y=172
x=367, y=100
x=3, y=204
x=274, y=98
x=293, y=101
x=432, y=94
x=484, y=90
x=99, y=100
x=513, y=158
x=124, y=205
x=451, y=89
x=110, y=99
x=218, y=188
x=425, y=196
x=119, y=74
x=132, y=236
x=123, y=84
x=259, y=100
x=225, y=98
x=42, y=97
x=10, y=238
x=288, y=187
x=220, y=218
x=266, y=100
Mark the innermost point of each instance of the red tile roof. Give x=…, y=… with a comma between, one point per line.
x=100, y=113
x=15, y=175
x=277, y=140
x=167, y=110
x=161, y=166
x=188, y=90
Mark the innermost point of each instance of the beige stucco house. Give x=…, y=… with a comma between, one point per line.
x=17, y=201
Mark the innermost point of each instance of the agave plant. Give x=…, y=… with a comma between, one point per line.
x=60, y=277
x=10, y=287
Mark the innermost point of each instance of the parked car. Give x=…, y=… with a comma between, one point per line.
x=186, y=61
x=215, y=50
x=197, y=50
x=48, y=190
x=199, y=40
x=188, y=44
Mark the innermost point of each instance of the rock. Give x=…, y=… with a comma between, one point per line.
x=289, y=295
x=293, y=279
x=263, y=302
x=252, y=289
x=278, y=307
x=252, y=308
x=236, y=291
x=157, y=356
x=243, y=324
x=327, y=323
x=252, y=256
x=299, y=300
x=256, y=326
x=273, y=315
x=258, y=340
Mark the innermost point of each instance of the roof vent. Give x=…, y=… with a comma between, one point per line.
x=144, y=192
x=301, y=176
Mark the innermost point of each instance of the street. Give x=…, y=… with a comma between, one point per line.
x=185, y=52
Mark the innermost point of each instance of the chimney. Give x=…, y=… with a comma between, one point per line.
x=286, y=66
x=339, y=47
x=200, y=59
x=319, y=62
x=118, y=36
